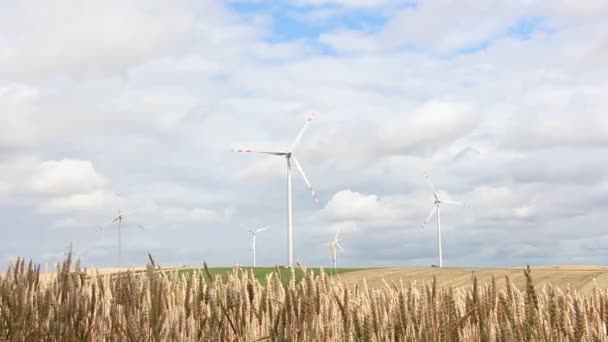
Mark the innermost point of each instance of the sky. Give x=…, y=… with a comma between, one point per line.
x=502, y=103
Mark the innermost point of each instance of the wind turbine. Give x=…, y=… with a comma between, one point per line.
x=290, y=157
x=253, y=234
x=436, y=209
x=118, y=219
x=333, y=253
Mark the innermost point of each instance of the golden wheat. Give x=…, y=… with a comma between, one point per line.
x=167, y=306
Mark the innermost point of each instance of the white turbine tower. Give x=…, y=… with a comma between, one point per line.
x=253, y=235
x=290, y=157
x=333, y=253
x=118, y=219
x=436, y=209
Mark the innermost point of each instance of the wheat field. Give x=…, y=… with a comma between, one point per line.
x=158, y=305
x=580, y=278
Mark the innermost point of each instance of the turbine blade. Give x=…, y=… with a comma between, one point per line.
x=337, y=233
x=429, y=217
x=339, y=246
x=301, y=133
x=106, y=225
x=116, y=219
x=274, y=153
x=132, y=225
x=262, y=229
x=456, y=203
x=428, y=180
x=299, y=167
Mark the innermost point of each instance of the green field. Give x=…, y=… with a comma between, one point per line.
x=580, y=278
x=260, y=273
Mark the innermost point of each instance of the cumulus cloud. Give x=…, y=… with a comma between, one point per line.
x=148, y=97
x=65, y=177
x=347, y=205
x=55, y=185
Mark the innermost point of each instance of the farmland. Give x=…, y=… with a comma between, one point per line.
x=261, y=273
x=579, y=278
x=220, y=304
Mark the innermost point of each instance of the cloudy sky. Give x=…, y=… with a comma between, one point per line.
x=502, y=103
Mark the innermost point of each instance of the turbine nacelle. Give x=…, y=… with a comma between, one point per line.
x=333, y=253
x=253, y=233
x=118, y=220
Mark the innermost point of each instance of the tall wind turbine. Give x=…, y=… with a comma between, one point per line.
x=436, y=209
x=333, y=253
x=118, y=220
x=253, y=234
x=290, y=157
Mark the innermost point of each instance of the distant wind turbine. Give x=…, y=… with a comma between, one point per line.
x=290, y=157
x=253, y=235
x=333, y=253
x=118, y=219
x=436, y=209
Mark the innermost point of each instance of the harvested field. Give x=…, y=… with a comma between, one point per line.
x=579, y=278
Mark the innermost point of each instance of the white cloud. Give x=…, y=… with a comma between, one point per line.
x=344, y=227
x=152, y=103
x=579, y=9
x=347, y=41
x=436, y=122
x=194, y=215
x=543, y=129
x=462, y=24
x=16, y=127
x=263, y=168
x=77, y=38
x=350, y=3
x=90, y=201
x=65, y=177
x=347, y=205
x=68, y=222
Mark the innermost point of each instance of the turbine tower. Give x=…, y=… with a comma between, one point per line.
x=436, y=209
x=290, y=158
x=118, y=219
x=253, y=234
x=333, y=253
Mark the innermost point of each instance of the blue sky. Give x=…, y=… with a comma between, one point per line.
x=292, y=22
